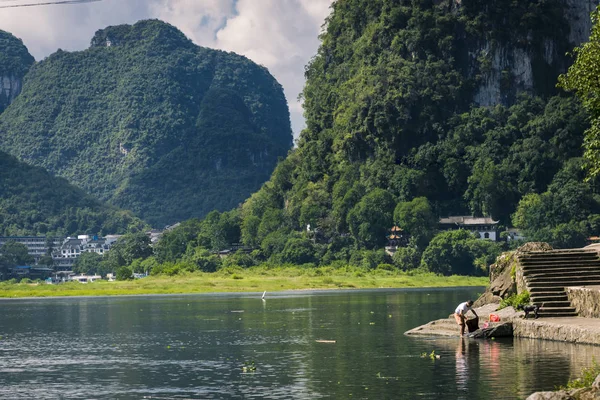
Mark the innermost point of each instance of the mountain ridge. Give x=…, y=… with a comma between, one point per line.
x=125, y=120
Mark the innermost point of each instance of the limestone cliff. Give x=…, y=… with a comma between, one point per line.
x=531, y=59
x=15, y=61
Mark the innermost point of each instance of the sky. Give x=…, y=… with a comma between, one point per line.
x=282, y=35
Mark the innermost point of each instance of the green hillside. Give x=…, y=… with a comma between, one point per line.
x=417, y=110
x=33, y=202
x=150, y=122
x=15, y=61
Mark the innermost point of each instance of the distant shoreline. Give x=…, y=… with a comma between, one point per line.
x=243, y=281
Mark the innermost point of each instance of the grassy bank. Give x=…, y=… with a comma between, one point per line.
x=255, y=279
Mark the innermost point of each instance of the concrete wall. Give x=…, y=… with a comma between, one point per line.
x=586, y=300
x=565, y=330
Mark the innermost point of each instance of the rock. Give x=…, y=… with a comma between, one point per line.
x=560, y=395
x=534, y=246
x=501, y=281
x=487, y=298
x=498, y=329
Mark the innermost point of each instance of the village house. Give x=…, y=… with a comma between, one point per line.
x=483, y=227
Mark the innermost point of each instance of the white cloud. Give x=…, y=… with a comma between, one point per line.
x=282, y=35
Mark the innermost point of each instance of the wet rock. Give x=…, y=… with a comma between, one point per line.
x=494, y=330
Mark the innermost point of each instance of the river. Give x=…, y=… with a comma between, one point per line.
x=292, y=345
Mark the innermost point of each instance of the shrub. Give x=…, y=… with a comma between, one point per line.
x=298, y=251
x=124, y=274
x=386, y=267
x=515, y=300
x=407, y=258
x=588, y=375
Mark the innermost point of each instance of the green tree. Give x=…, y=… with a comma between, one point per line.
x=298, y=251
x=13, y=254
x=583, y=79
x=202, y=259
x=128, y=247
x=371, y=219
x=173, y=243
x=46, y=261
x=417, y=219
x=407, y=258
x=88, y=263
x=451, y=253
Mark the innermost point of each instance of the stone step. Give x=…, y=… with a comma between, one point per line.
x=538, y=298
x=562, y=264
x=553, y=304
x=563, y=283
x=558, y=271
x=546, y=289
x=588, y=256
x=557, y=312
x=531, y=256
x=559, y=251
x=562, y=278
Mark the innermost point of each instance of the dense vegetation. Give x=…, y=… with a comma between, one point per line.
x=150, y=122
x=583, y=79
x=15, y=61
x=33, y=202
x=394, y=137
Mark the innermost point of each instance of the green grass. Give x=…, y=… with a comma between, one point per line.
x=254, y=279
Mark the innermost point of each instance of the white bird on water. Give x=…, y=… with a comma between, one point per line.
x=263, y=296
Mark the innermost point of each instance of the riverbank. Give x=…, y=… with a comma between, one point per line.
x=565, y=329
x=256, y=279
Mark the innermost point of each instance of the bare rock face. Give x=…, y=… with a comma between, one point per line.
x=578, y=15
x=15, y=61
x=501, y=282
x=10, y=87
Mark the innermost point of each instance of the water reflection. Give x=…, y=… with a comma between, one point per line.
x=195, y=347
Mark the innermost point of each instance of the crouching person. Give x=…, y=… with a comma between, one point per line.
x=460, y=314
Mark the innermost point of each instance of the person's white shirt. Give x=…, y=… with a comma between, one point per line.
x=463, y=308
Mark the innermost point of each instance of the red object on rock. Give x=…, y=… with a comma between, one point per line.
x=494, y=318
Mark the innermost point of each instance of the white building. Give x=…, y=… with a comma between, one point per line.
x=37, y=246
x=484, y=227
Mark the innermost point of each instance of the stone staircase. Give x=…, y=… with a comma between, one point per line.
x=547, y=273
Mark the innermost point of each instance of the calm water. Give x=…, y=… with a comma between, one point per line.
x=195, y=347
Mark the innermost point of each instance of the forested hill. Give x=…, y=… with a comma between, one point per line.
x=33, y=202
x=15, y=61
x=418, y=110
x=150, y=122
x=445, y=106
